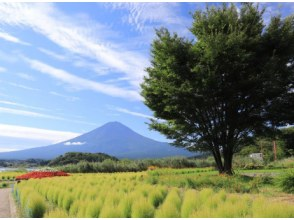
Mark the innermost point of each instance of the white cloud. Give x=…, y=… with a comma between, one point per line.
x=26, y=76
x=68, y=98
x=53, y=54
x=2, y=149
x=35, y=133
x=39, y=115
x=23, y=86
x=79, y=62
x=5, y=102
x=81, y=83
x=68, y=143
x=71, y=34
x=28, y=113
x=2, y=69
x=123, y=110
x=142, y=15
x=10, y=38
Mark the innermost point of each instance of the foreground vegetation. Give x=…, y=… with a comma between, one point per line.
x=156, y=193
x=7, y=178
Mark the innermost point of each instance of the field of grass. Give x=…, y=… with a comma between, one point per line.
x=9, y=175
x=159, y=193
x=7, y=178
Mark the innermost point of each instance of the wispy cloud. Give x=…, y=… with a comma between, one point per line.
x=123, y=110
x=23, y=86
x=40, y=115
x=68, y=98
x=10, y=38
x=8, y=57
x=26, y=76
x=81, y=83
x=76, y=37
x=35, y=133
x=53, y=54
x=2, y=69
x=141, y=15
x=28, y=113
x=78, y=61
x=5, y=102
x=68, y=143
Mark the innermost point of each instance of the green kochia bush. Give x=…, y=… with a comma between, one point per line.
x=171, y=206
x=142, y=209
x=35, y=207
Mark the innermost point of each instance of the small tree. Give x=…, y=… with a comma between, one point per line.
x=234, y=81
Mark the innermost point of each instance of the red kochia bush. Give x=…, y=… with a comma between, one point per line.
x=41, y=174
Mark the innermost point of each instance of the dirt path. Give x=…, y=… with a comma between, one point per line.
x=7, y=206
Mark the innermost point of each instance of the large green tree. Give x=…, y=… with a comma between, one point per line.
x=235, y=80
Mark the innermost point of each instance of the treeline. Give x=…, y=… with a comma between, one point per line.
x=76, y=157
x=23, y=163
x=110, y=166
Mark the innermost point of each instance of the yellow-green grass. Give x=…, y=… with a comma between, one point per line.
x=130, y=195
x=9, y=175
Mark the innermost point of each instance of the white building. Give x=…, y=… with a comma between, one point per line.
x=257, y=156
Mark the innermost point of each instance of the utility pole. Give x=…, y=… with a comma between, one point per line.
x=275, y=150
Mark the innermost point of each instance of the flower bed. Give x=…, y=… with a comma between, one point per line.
x=40, y=174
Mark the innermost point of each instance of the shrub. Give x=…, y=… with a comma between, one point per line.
x=67, y=201
x=36, y=206
x=93, y=209
x=261, y=208
x=57, y=213
x=286, y=182
x=125, y=206
x=234, y=207
x=190, y=203
x=171, y=206
x=4, y=185
x=142, y=209
x=156, y=197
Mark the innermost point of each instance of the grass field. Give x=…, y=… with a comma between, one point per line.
x=158, y=193
x=7, y=178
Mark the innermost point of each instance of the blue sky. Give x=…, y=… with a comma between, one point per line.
x=68, y=68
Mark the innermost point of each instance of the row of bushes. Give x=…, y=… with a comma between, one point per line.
x=240, y=162
x=110, y=166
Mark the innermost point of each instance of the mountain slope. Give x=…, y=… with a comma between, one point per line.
x=112, y=138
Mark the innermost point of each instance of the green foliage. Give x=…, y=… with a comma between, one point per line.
x=67, y=201
x=284, y=163
x=142, y=209
x=191, y=202
x=57, y=213
x=124, y=195
x=3, y=185
x=264, y=146
x=286, y=182
x=205, y=90
x=110, y=166
x=76, y=157
x=288, y=137
x=171, y=206
x=35, y=206
x=263, y=209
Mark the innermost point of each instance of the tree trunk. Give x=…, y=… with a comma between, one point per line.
x=218, y=161
x=228, y=159
x=228, y=165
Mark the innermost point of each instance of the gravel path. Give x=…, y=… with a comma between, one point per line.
x=7, y=206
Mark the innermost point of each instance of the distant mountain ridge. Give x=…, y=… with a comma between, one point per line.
x=112, y=138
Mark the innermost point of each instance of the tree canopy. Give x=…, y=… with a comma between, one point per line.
x=76, y=157
x=233, y=81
